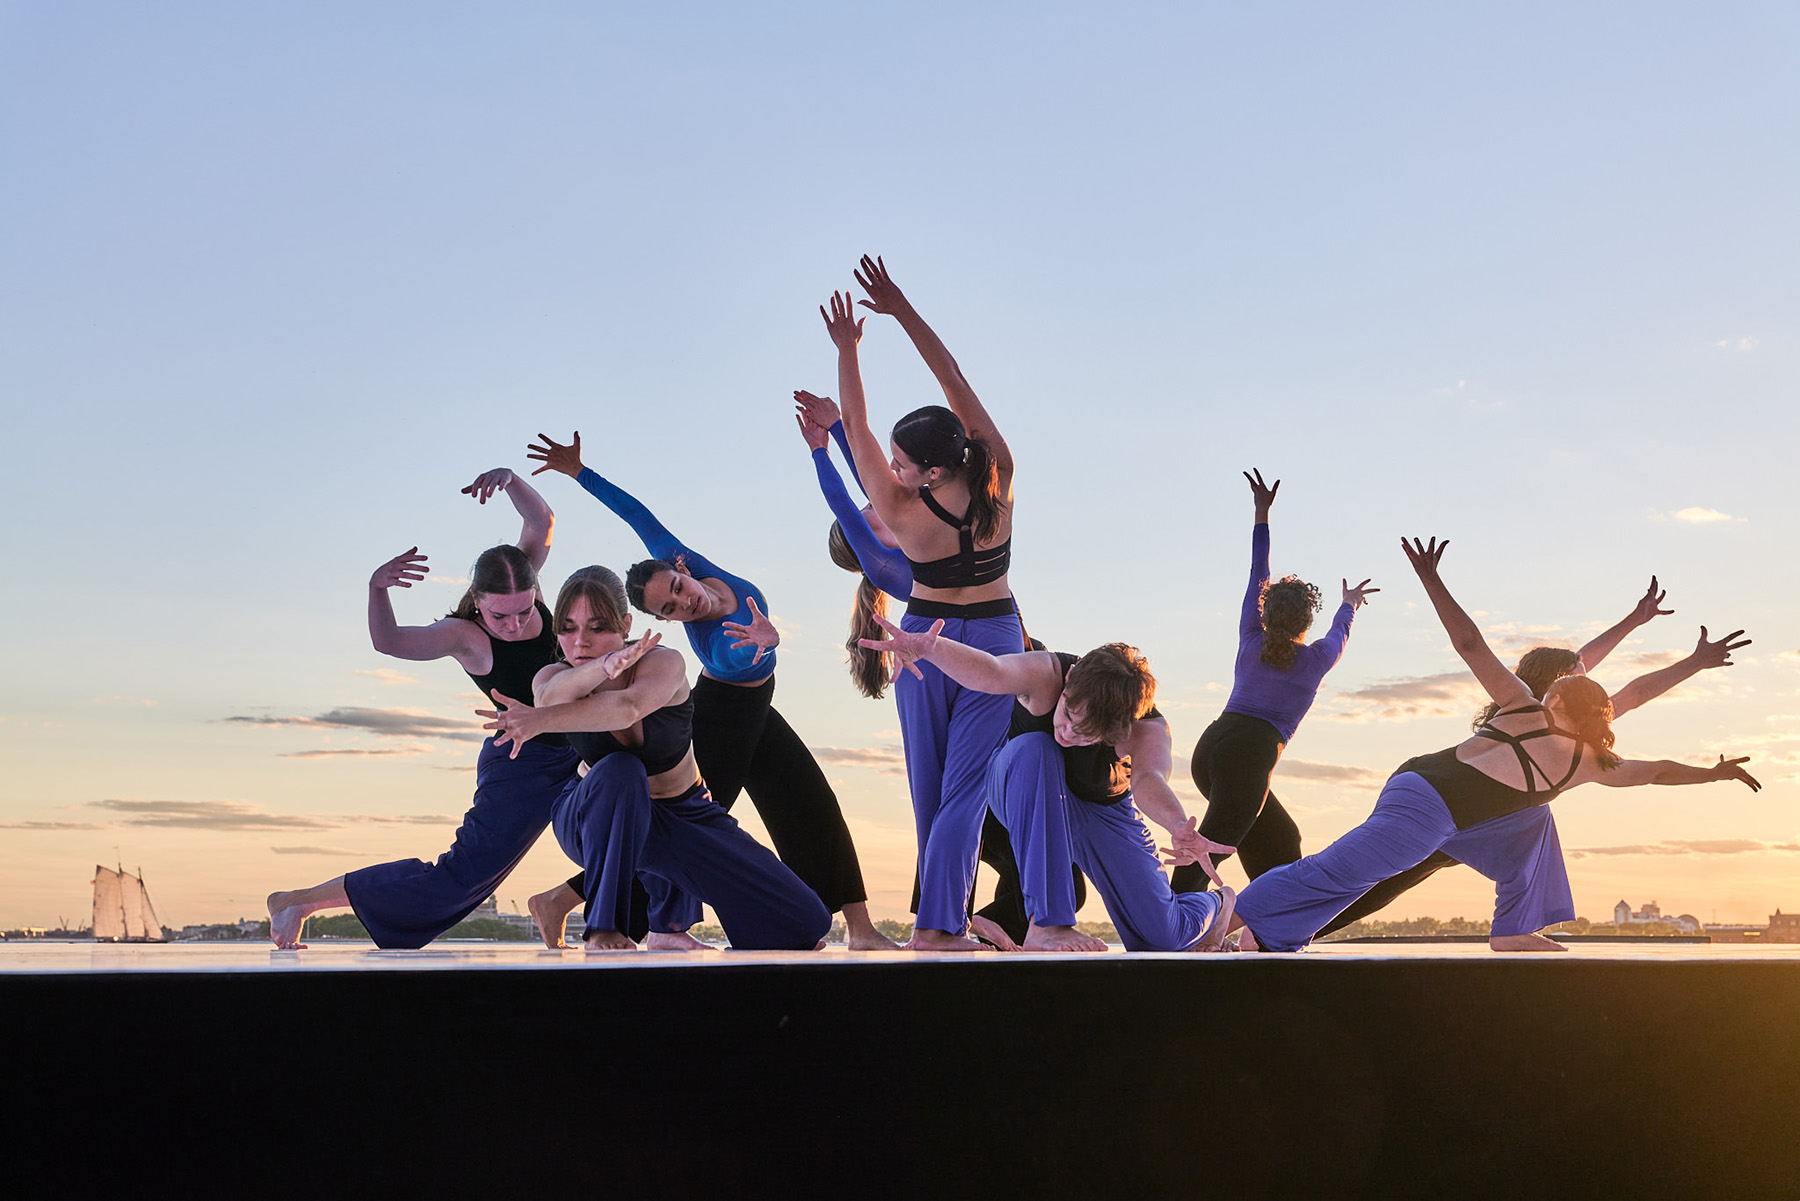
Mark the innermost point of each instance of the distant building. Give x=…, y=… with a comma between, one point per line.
x=1783, y=927
x=490, y=909
x=1623, y=917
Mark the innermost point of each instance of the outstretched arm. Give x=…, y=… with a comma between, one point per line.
x=1647, y=609
x=1035, y=677
x=534, y=538
x=884, y=489
x=449, y=637
x=885, y=565
x=655, y=536
x=1630, y=772
x=885, y=297
x=1649, y=687
x=1465, y=637
x=1263, y=496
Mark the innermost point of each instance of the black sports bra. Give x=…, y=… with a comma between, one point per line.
x=1472, y=796
x=968, y=566
x=668, y=732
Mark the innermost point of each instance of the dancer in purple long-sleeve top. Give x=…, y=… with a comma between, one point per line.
x=1276, y=678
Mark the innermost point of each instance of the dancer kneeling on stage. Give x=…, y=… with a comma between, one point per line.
x=1084, y=732
x=640, y=807
x=1458, y=800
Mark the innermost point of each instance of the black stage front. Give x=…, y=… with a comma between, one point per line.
x=1352, y=1072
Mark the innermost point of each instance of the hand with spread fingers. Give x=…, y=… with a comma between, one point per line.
x=885, y=296
x=760, y=633
x=907, y=648
x=1733, y=769
x=1425, y=556
x=1358, y=596
x=513, y=721
x=821, y=411
x=1261, y=494
x=1649, y=607
x=842, y=323
x=555, y=456
x=488, y=483
x=1188, y=845
x=817, y=437
x=1717, y=653
x=402, y=571
x=617, y=663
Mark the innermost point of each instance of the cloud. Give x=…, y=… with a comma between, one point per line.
x=886, y=759
x=1447, y=694
x=56, y=825
x=1737, y=344
x=405, y=819
x=446, y=767
x=1696, y=515
x=387, y=675
x=206, y=815
x=348, y=751
x=383, y=723
x=1692, y=846
x=1337, y=773
x=310, y=851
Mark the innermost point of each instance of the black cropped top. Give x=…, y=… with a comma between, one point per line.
x=1474, y=797
x=1094, y=773
x=516, y=664
x=968, y=566
x=668, y=732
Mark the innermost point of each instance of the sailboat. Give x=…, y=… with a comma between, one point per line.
x=122, y=909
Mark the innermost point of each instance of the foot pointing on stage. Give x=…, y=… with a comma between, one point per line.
x=1059, y=938
x=551, y=910
x=1524, y=942
x=677, y=940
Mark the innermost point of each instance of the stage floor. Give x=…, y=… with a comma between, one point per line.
x=68, y=957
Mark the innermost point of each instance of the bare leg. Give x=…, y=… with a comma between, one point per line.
x=1524, y=942
x=288, y=911
x=608, y=940
x=551, y=910
x=941, y=940
x=860, y=933
x=989, y=930
x=1059, y=938
x=679, y=940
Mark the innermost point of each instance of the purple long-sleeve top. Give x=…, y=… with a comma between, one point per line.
x=1280, y=696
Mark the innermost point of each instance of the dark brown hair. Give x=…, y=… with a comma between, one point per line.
x=868, y=669
x=934, y=437
x=1587, y=714
x=1113, y=687
x=1288, y=605
x=1538, y=668
x=645, y=570
x=605, y=596
x=498, y=571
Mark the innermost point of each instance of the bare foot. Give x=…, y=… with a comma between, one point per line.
x=551, y=910
x=1214, y=938
x=989, y=931
x=680, y=940
x=608, y=940
x=1247, y=940
x=941, y=940
x=1524, y=942
x=1059, y=938
x=285, y=921
x=860, y=933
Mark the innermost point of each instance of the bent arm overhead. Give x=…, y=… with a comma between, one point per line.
x=1641, y=614
x=1465, y=636
x=885, y=565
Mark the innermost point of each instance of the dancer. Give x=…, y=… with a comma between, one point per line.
x=500, y=634
x=742, y=743
x=945, y=462
x=860, y=542
x=640, y=806
x=1273, y=685
x=1085, y=736
x=1540, y=667
x=1526, y=755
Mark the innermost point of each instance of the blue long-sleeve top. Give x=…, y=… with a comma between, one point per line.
x=710, y=640
x=885, y=565
x=1280, y=696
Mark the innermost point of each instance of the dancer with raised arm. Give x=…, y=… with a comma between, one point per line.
x=500, y=634
x=1540, y=667
x=1085, y=750
x=640, y=807
x=741, y=742
x=1273, y=685
x=1456, y=799
x=859, y=541
x=946, y=493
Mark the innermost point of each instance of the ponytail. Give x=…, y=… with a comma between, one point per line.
x=985, y=504
x=868, y=669
x=1587, y=715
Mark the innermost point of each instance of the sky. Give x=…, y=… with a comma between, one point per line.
x=277, y=281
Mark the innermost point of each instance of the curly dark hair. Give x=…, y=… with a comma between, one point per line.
x=1288, y=606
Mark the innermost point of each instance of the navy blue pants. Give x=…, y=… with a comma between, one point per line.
x=1028, y=790
x=608, y=823
x=407, y=903
x=950, y=732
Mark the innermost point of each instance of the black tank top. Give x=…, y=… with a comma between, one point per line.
x=516, y=664
x=1474, y=797
x=1094, y=773
x=968, y=566
x=668, y=732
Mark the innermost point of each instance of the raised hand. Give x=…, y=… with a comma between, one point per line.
x=1262, y=494
x=1731, y=769
x=555, y=456
x=1425, y=557
x=884, y=294
x=408, y=568
x=617, y=663
x=1717, y=654
x=907, y=648
x=822, y=411
x=1188, y=845
x=514, y=720
x=842, y=323
x=816, y=438
x=1647, y=607
x=488, y=483
x=760, y=633
x=1358, y=596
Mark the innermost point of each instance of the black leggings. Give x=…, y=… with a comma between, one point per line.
x=741, y=744
x=1389, y=890
x=1232, y=764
